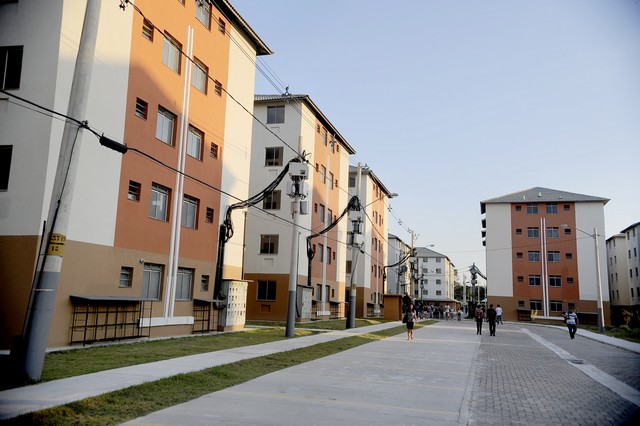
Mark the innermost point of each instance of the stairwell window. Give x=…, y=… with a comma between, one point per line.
x=273, y=156
x=190, y=212
x=269, y=244
x=147, y=29
x=159, y=202
x=134, y=191
x=272, y=201
x=171, y=53
x=184, y=284
x=142, y=108
x=208, y=218
x=275, y=114
x=165, y=126
x=194, y=143
x=152, y=281
x=10, y=67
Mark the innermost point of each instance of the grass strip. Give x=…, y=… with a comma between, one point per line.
x=127, y=404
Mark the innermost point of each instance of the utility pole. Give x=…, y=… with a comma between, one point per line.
x=43, y=297
x=298, y=171
x=355, y=248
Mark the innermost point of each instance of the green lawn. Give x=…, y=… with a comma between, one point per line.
x=120, y=406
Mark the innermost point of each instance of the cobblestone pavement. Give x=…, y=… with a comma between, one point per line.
x=519, y=381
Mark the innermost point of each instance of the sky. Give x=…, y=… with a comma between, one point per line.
x=454, y=102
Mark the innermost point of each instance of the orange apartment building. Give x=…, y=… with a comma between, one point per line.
x=140, y=257
x=292, y=124
x=541, y=254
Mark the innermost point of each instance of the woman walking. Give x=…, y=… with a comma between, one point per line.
x=410, y=318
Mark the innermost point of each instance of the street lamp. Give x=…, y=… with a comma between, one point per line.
x=598, y=280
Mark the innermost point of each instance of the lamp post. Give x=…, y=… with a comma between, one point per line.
x=598, y=280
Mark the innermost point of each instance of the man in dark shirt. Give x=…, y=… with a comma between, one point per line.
x=491, y=316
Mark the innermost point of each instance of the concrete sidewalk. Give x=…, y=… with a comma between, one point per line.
x=14, y=402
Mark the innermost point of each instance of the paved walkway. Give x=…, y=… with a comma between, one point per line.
x=448, y=375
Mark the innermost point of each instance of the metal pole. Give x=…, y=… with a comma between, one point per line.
x=598, y=281
x=293, y=268
x=36, y=333
x=351, y=321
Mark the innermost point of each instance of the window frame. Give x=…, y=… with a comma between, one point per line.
x=166, y=126
x=190, y=207
x=195, y=139
x=273, y=200
x=184, y=284
x=200, y=76
x=126, y=272
x=266, y=290
x=152, y=290
x=171, y=53
x=275, y=114
x=11, y=58
x=159, y=195
x=269, y=244
x=6, y=154
x=274, y=156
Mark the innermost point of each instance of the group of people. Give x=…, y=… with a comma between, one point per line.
x=424, y=311
x=493, y=316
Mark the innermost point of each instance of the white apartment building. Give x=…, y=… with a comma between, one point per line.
x=623, y=266
x=397, y=277
x=434, y=276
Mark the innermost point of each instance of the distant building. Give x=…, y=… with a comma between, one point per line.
x=367, y=270
x=434, y=277
x=540, y=253
x=295, y=124
x=397, y=277
x=623, y=265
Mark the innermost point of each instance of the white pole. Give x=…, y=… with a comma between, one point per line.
x=351, y=321
x=598, y=281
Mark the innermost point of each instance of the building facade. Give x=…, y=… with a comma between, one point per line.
x=365, y=267
x=291, y=126
x=141, y=245
x=397, y=277
x=435, y=276
x=541, y=251
x=623, y=265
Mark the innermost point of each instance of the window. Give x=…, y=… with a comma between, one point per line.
x=208, y=217
x=321, y=213
x=532, y=209
x=519, y=255
x=275, y=114
x=518, y=231
x=330, y=180
x=520, y=303
x=535, y=305
x=266, y=290
x=5, y=165
x=203, y=13
x=438, y=292
x=269, y=244
x=533, y=232
x=222, y=26
x=147, y=30
x=134, y=191
x=348, y=267
x=352, y=181
x=272, y=201
x=567, y=231
x=552, y=208
x=10, y=67
x=126, y=274
x=190, y=212
x=534, y=256
x=151, y=281
x=520, y=279
x=159, y=201
x=213, y=151
x=217, y=88
x=555, y=306
x=534, y=280
x=553, y=256
x=171, y=53
x=199, y=77
x=323, y=174
x=518, y=208
x=321, y=253
x=141, y=108
x=553, y=232
x=329, y=215
x=328, y=255
x=324, y=137
x=165, y=126
x=204, y=283
x=555, y=281
x=438, y=281
x=184, y=284
x=438, y=260
x=194, y=143
x=438, y=270
x=569, y=280
x=273, y=156
x=567, y=207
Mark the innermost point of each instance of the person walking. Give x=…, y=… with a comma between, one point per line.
x=459, y=314
x=478, y=316
x=491, y=316
x=409, y=318
x=498, y=315
x=572, y=322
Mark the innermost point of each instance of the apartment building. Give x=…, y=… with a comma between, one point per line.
x=290, y=127
x=396, y=276
x=434, y=276
x=140, y=252
x=623, y=265
x=365, y=267
x=541, y=251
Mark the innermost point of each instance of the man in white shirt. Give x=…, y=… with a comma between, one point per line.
x=572, y=322
x=498, y=315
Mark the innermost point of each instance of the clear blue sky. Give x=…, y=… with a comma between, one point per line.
x=454, y=102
